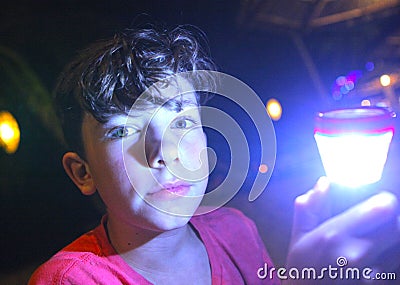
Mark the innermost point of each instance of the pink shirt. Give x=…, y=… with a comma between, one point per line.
x=234, y=248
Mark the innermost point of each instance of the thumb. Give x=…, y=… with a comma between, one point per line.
x=311, y=209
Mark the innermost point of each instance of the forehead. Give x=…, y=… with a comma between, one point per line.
x=173, y=103
x=165, y=110
x=174, y=93
x=148, y=108
x=168, y=91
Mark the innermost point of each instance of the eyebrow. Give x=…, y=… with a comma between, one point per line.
x=178, y=105
x=122, y=118
x=114, y=121
x=175, y=104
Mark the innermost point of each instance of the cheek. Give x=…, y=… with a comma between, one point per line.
x=193, y=151
x=136, y=168
x=110, y=170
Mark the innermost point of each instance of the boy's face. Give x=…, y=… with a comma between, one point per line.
x=151, y=168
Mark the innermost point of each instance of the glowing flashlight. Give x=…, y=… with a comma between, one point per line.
x=353, y=144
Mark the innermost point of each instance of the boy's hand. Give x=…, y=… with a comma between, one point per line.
x=366, y=235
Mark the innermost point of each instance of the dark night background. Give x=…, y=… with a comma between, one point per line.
x=41, y=211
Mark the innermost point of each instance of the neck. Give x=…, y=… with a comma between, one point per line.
x=146, y=249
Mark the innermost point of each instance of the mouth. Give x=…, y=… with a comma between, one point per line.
x=172, y=190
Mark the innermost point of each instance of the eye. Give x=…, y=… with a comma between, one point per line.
x=183, y=123
x=121, y=132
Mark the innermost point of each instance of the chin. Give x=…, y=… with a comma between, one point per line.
x=170, y=218
x=169, y=222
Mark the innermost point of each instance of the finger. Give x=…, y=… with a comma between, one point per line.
x=311, y=208
x=365, y=232
x=385, y=247
x=368, y=215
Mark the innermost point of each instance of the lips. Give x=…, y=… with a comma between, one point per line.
x=171, y=190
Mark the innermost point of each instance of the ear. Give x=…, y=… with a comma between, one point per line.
x=79, y=172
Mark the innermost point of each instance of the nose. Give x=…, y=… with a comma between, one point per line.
x=160, y=149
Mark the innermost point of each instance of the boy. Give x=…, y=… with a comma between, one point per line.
x=131, y=157
x=143, y=154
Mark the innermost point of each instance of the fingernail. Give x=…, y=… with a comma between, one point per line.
x=323, y=183
x=382, y=200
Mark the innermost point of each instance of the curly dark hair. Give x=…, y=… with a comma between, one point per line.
x=109, y=76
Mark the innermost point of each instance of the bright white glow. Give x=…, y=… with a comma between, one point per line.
x=385, y=80
x=274, y=109
x=354, y=160
x=365, y=102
